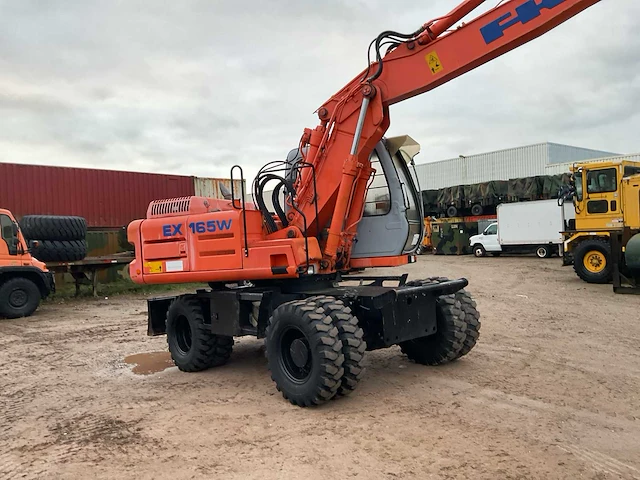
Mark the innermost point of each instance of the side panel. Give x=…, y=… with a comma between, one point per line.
x=210, y=248
x=631, y=199
x=534, y=222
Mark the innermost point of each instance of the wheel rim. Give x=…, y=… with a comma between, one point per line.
x=18, y=298
x=594, y=261
x=183, y=335
x=478, y=252
x=295, y=355
x=542, y=252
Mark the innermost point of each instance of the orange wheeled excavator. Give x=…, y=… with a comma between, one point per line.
x=344, y=200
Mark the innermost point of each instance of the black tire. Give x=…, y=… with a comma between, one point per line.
x=583, y=255
x=458, y=323
x=304, y=353
x=472, y=319
x=452, y=211
x=479, y=251
x=477, y=210
x=351, y=336
x=543, y=251
x=53, y=227
x=19, y=297
x=60, y=251
x=192, y=345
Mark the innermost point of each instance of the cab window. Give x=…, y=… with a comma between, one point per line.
x=491, y=230
x=6, y=230
x=631, y=170
x=378, y=200
x=601, y=181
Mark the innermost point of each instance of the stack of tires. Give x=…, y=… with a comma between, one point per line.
x=60, y=238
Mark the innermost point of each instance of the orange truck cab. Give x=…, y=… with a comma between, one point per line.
x=24, y=281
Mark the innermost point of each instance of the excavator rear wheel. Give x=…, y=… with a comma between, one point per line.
x=351, y=336
x=458, y=329
x=304, y=353
x=192, y=345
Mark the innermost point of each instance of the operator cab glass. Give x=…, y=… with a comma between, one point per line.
x=413, y=207
x=377, y=201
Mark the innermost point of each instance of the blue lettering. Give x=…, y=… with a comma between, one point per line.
x=224, y=224
x=171, y=230
x=210, y=226
x=526, y=12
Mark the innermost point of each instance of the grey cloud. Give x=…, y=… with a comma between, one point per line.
x=195, y=87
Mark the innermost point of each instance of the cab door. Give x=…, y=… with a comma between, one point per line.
x=10, y=252
x=602, y=201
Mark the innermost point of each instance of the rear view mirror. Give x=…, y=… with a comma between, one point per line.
x=15, y=229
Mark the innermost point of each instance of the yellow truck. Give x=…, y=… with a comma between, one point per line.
x=603, y=244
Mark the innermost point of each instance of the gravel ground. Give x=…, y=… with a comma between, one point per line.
x=552, y=390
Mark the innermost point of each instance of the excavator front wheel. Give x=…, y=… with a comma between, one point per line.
x=304, y=353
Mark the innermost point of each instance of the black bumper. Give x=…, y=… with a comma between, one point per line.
x=400, y=314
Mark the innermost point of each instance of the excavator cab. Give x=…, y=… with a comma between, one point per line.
x=392, y=222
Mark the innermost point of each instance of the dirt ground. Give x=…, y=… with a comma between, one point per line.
x=552, y=390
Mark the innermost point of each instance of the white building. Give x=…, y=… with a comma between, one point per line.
x=526, y=161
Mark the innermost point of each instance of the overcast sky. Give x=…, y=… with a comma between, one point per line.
x=192, y=87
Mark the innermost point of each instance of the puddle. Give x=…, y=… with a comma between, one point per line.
x=148, y=363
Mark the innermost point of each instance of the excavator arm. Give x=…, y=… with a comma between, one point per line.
x=356, y=118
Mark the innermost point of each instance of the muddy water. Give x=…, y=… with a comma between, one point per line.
x=148, y=363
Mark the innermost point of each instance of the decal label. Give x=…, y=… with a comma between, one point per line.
x=175, y=266
x=154, y=267
x=434, y=62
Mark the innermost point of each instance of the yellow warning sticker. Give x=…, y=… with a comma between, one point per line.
x=154, y=267
x=434, y=62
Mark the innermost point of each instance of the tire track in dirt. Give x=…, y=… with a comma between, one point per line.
x=601, y=462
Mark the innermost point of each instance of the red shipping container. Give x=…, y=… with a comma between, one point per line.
x=106, y=198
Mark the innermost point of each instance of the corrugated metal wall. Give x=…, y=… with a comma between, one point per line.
x=210, y=187
x=566, y=153
x=506, y=164
x=105, y=198
x=500, y=165
x=560, y=168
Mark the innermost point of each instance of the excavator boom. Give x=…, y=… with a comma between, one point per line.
x=356, y=118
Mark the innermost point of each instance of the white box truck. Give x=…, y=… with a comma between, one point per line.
x=525, y=227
